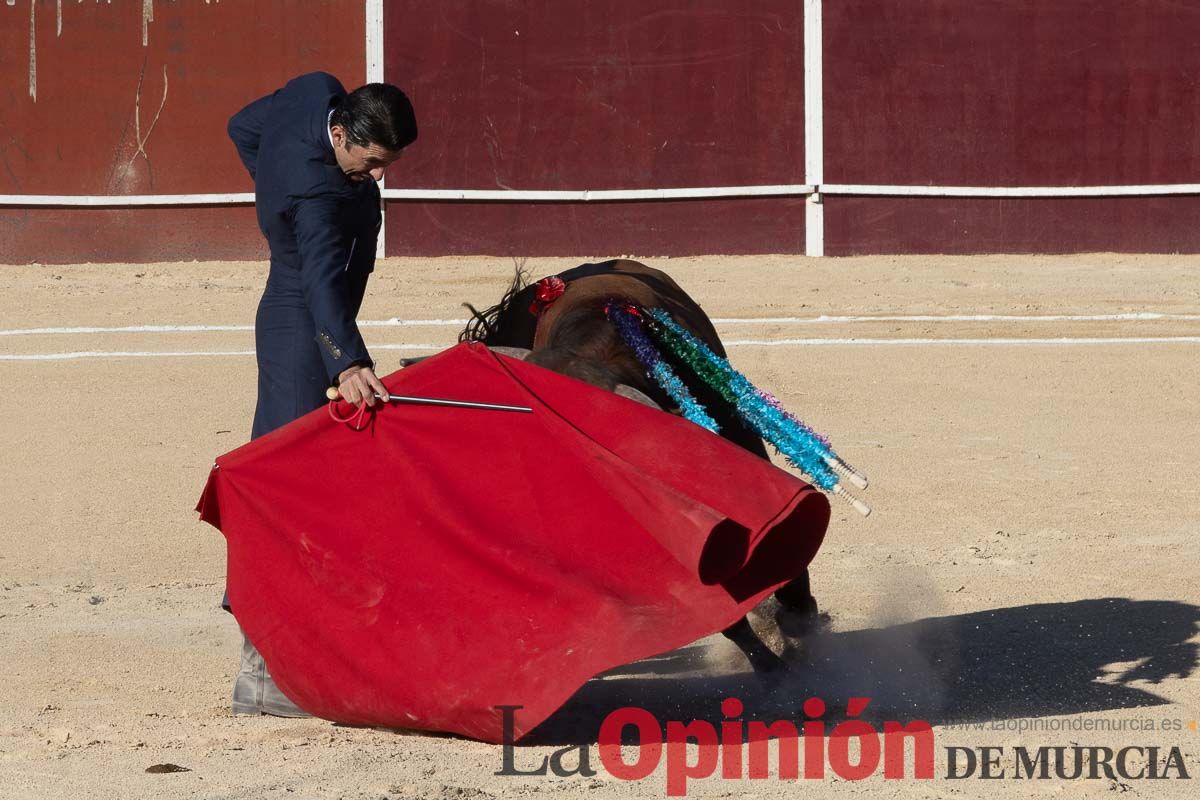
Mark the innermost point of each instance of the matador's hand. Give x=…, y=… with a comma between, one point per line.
x=360, y=383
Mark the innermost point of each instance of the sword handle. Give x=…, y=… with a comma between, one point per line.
x=332, y=393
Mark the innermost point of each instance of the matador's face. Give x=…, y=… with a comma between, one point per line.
x=357, y=162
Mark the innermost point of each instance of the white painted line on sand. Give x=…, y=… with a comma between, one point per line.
x=1139, y=316
x=123, y=329
x=1133, y=316
x=381, y=323
x=80, y=354
x=963, y=342
x=1070, y=342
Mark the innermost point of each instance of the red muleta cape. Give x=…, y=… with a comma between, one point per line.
x=446, y=561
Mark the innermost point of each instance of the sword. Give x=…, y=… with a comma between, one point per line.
x=333, y=394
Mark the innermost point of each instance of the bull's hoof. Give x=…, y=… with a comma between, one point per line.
x=796, y=623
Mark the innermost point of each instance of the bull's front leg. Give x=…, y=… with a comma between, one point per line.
x=762, y=660
x=798, y=614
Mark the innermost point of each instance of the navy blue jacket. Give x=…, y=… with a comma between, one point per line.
x=320, y=226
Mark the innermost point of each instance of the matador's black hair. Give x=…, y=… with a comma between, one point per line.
x=378, y=114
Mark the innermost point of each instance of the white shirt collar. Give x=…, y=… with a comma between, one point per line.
x=329, y=130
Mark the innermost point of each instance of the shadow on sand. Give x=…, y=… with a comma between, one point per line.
x=1024, y=661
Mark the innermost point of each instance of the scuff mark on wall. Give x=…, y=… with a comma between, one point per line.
x=33, y=49
x=147, y=18
x=137, y=119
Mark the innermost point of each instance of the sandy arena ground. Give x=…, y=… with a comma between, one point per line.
x=1029, y=576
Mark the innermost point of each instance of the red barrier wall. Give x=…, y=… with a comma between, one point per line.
x=1011, y=93
x=603, y=94
x=98, y=88
x=621, y=94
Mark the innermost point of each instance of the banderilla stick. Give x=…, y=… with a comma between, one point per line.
x=333, y=394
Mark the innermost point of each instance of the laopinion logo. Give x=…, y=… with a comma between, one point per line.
x=633, y=744
x=739, y=748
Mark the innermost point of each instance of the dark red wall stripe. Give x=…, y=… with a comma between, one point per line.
x=864, y=225
x=664, y=228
